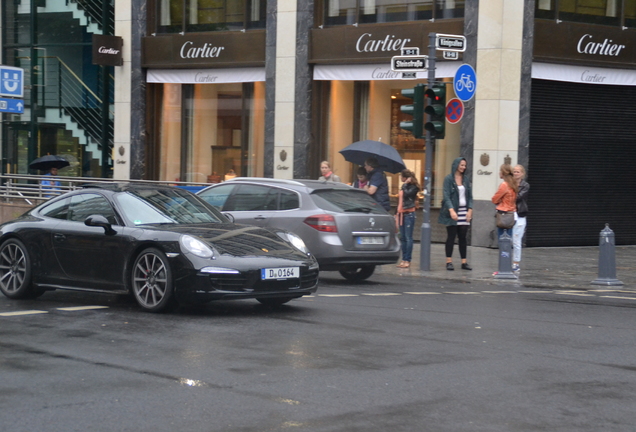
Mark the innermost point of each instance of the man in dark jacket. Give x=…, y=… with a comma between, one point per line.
x=377, y=186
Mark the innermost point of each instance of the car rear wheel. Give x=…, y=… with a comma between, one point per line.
x=358, y=273
x=152, y=281
x=274, y=301
x=15, y=271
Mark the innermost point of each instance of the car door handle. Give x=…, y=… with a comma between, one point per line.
x=260, y=217
x=59, y=237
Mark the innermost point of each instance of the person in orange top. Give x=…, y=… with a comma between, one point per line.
x=506, y=196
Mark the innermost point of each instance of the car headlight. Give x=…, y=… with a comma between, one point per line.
x=295, y=240
x=195, y=246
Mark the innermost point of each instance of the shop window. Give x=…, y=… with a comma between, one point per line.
x=341, y=12
x=176, y=16
x=605, y=12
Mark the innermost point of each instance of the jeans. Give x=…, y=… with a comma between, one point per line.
x=406, y=235
x=517, y=235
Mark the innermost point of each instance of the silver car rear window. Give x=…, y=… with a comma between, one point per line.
x=346, y=200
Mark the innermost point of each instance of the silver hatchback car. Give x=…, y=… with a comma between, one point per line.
x=345, y=229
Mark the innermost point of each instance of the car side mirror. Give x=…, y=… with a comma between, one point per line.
x=229, y=216
x=97, y=220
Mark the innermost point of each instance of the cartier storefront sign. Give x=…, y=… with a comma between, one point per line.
x=198, y=50
x=374, y=43
x=107, y=50
x=584, y=44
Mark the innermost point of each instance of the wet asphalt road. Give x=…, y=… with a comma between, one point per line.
x=391, y=354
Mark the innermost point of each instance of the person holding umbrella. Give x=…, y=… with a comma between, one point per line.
x=51, y=185
x=377, y=186
x=50, y=163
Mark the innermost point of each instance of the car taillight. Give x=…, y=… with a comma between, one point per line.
x=324, y=223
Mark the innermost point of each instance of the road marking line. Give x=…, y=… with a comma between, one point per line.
x=26, y=312
x=619, y=297
x=338, y=295
x=575, y=294
x=79, y=308
x=604, y=290
x=381, y=294
x=418, y=293
x=500, y=292
x=462, y=292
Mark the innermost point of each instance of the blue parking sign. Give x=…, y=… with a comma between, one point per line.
x=11, y=81
x=465, y=82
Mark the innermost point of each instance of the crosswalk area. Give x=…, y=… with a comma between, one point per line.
x=597, y=293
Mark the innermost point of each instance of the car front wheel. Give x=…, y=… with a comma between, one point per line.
x=152, y=281
x=15, y=270
x=357, y=273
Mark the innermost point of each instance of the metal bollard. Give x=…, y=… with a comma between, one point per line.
x=607, y=259
x=505, y=257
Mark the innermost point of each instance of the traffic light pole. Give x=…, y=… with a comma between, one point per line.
x=425, y=233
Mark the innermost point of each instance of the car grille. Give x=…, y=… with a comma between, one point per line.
x=250, y=282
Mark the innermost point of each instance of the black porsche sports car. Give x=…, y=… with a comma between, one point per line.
x=162, y=244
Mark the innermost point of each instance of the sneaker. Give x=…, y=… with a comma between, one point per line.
x=465, y=266
x=515, y=267
x=449, y=266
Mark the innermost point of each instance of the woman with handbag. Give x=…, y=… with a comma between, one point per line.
x=457, y=211
x=506, y=201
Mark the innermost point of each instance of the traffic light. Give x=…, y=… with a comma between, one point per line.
x=416, y=110
x=436, y=108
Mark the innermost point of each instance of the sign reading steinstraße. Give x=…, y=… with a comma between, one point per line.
x=409, y=63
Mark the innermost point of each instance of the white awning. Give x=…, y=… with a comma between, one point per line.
x=375, y=72
x=546, y=71
x=205, y=76
x=583, y=74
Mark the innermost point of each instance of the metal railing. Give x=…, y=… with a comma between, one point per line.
x=30, y=190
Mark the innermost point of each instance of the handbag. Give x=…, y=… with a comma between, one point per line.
x=505, y=220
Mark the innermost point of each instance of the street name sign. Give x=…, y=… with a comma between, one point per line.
x=446, y=42
x=409, y=63
x=15, y=106
x=414, y=51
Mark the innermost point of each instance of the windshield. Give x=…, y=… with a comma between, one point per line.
x=346, y=200
x=151, y=206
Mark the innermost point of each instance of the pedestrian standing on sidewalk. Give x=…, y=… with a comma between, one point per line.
x=377, y=187
x=506, y=196
x=457, y=211
x=327, y=174
x=519, y=174
x=362, y=178
x=405, y=216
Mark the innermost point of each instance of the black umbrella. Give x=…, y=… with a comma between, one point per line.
x=387, y=156
x=47, y=162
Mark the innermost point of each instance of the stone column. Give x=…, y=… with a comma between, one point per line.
x=498, y=104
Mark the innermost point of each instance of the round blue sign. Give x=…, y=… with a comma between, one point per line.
x=465, y=82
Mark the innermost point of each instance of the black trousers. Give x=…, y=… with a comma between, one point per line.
x=459, y=231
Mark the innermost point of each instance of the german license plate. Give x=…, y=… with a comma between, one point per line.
x=280, y=273
x=370, y=240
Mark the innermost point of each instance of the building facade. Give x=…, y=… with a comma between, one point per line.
x=211, y=89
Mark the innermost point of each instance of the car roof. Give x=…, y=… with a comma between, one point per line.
x=126, y=186
x=297, y=184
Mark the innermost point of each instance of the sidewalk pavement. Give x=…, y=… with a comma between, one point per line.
x=544, y=267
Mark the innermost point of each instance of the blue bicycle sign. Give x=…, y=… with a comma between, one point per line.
x=465, y=82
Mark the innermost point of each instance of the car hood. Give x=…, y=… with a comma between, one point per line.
x=239, y=240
